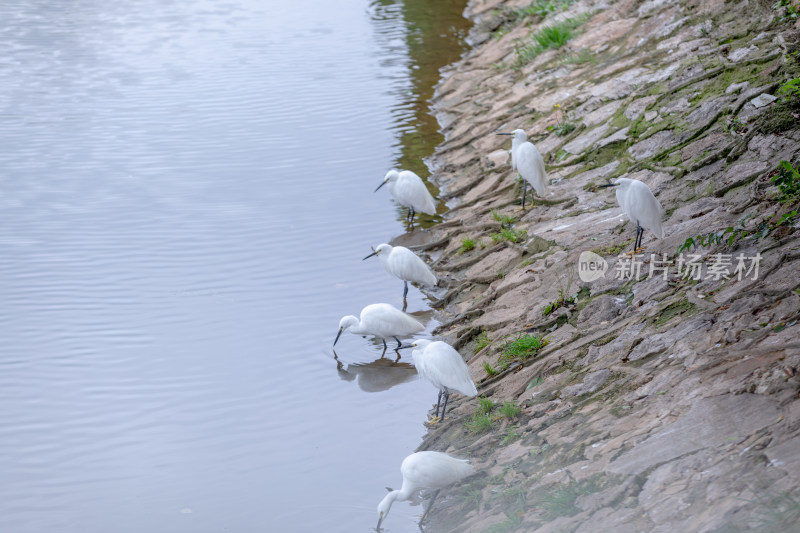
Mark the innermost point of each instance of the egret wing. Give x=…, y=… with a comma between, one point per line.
x=642, y=206
x=410, y=190
x=385, y=320
x=406, y=265
x=433, y=470
x=531, y=166
x=444, y=365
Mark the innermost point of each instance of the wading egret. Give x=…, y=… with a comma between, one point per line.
x=424, y=470
x=381, y=320
x=409, y=190
x=442, y=365
x=638, y=203
x=402, y=263
x=527, y=160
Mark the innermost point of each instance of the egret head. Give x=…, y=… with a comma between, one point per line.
x=390, y=177
x=344, y=323
x=385, y=505
x=382, y=250
x=519, y=135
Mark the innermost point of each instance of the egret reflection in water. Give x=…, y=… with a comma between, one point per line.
x=379, y=375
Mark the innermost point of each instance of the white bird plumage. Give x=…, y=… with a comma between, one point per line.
x=425, y=470
x=640, y=206
x=381, y=320
x=442, y=365
x=527, y=160
x=402, y=263
x=410, y=191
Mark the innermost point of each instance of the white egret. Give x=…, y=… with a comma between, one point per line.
x=527, y=160
x=381, y=320
x=409, y=190
x=402, y=263
x=424, y=470
x=442, y=365
x=638, y=203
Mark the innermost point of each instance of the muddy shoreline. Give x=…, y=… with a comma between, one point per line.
x=664, y=403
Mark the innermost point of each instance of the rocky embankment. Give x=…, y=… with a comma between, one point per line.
x=659, y=404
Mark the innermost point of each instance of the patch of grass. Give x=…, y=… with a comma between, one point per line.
x=504, y=220
x=561, y=301
x=510, y=436
x=524, y=346
x=535, y=382
x=549, y=37
x=478, y=423
x=467, y=244
x=485, y=405
x=613, y=249
x=682, y=308
x=582, y=56
x=560, y=501
x=562, y=128
x=490, y=370
x=544, y=7
x=509, y=410
x=508, y=234
x=482, y=341
x=788, y=181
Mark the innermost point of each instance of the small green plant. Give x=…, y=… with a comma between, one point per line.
x=509, y=410
x=478, y=423
x=508, y=234
x=703, y=31
x=485, y=405
x=504, y=220
x=788, y=181
x=735, y=125
x=467, y=244
x=549, y=37
x=490, y=370
x=613, y=249
x=561, y=301
x=510, y=436
x=791, y=12
x=790, y=89
x=524, y=346
x=562, y=128
x=584, y=55
x=482, y=341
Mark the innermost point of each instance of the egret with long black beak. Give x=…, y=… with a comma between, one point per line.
x=424, y=470
x=410, y=191
x=402, y=263
x=527, y=160
x=381, y=320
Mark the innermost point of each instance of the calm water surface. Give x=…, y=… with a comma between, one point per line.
x=185, y=199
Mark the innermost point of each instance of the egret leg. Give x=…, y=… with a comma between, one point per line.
x=405, y=290
x=438, y=401
x=446, y=397
x=428, y=510
x=524, y=188
x=399, y=344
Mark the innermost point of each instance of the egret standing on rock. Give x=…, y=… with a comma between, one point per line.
x=424, y=470
x=402, y=263
x=381, y=320
x=527, y=160
x=442, y=365
x=638, y=203
x=409, y=190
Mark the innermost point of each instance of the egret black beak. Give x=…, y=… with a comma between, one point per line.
x=338, y=335
x=370, y=255
x=381, y=185
x=504, y=134
x=404, y=346
x=606, y=185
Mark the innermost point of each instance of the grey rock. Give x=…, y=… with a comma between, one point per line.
x=591, y=383
x=652, y=145
x=709, y=423
x=763, y=100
